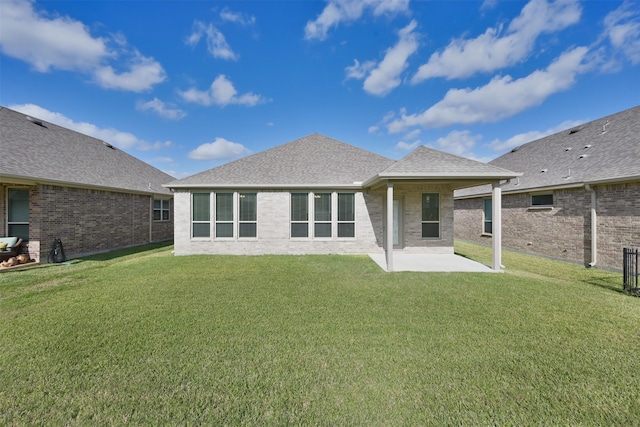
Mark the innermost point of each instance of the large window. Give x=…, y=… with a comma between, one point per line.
x=248, y=215
x=200, y=215
x=346, y=215
x=18, y=213
x=488, y=217
x=430, y=215
x=160, y=210
x=299, y=214
x=322, y=214
x=224, y=215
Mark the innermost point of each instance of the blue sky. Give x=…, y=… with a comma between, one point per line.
x=189, y=85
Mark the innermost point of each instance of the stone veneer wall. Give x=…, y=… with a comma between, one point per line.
x=274, y=226
x=563, y=232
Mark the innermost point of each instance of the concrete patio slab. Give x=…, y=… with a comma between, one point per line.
x=431, y=262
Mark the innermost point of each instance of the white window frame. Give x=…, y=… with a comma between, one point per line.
x=311, y=216
x=317, y=196
x=486, y=221
x=439, y=236
x=209, y=222
x=162, y=209
x=352, y=221
x=7, y=204
x=241, y=195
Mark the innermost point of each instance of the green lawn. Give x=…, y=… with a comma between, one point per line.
x=149, y=338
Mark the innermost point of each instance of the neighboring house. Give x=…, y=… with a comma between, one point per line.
x=316, y=195
x=577, y=200
x=57, y=183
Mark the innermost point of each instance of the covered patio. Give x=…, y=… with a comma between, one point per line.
x=432, y=174
x=431, y=263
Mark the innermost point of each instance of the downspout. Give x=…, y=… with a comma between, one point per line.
x=594, y=226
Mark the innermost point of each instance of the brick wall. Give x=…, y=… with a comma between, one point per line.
x=411, y=223
x=563, y=232
x=618, y=207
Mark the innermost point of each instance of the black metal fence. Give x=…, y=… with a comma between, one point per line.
x=630, y=270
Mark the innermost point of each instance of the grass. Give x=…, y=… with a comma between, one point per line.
x=149, y=338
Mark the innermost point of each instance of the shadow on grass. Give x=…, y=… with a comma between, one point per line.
x=120, y=253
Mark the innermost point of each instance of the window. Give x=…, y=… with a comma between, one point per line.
x=322, y=215
x=18, y=213
x=430, y=215
x=248, y=215
x=542, y=200
x=200, y=215
x=299, y=214
x=224, y=215
x=346, y=215
x=488, y=217
x=161, y=210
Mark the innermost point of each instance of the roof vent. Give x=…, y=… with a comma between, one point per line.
x=582, y=156
x=604, y=127
x=515, y=149
x=575, y=130
x=544, y=170
x=568, y=149
x=36, y=122
x=106, y=144
x=587, y=146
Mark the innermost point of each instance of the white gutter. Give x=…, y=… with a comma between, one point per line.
x=594, y=226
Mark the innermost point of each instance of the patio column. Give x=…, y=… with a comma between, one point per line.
x=389, y=240
x=496, y=232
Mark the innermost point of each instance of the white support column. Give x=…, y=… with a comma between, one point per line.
x=389, y=240
x=496, y=232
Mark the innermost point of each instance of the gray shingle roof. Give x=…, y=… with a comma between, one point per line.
x=603, y=149
x=50, y=153
x=315, y=160
x=424, y=161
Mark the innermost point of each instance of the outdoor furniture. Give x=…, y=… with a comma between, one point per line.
x=11, y=248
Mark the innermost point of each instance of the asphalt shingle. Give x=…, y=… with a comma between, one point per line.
x=604, y=149
x=41, y=151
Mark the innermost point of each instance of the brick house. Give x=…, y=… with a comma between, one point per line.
x=317, y=195
x=57, y=183
x=578, y=198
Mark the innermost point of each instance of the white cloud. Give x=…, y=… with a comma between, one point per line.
x=460, y=143
x=219, y=149
x=407, y=146
x=237, y=17
x=492, y=50
x=358, y=70
x=622, y=29
x=66, y=44
x=502, y=97
x=61, y=43
x=123, y=140
x=161, y=109
x=143, y=73
x=221, y=92
x=339, y=11
x=523, y=138
x=385, y=76
x=216, y=42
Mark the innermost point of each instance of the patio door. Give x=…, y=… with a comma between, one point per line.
x=397, y=224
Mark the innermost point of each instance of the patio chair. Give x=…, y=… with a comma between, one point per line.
x=11, y=248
